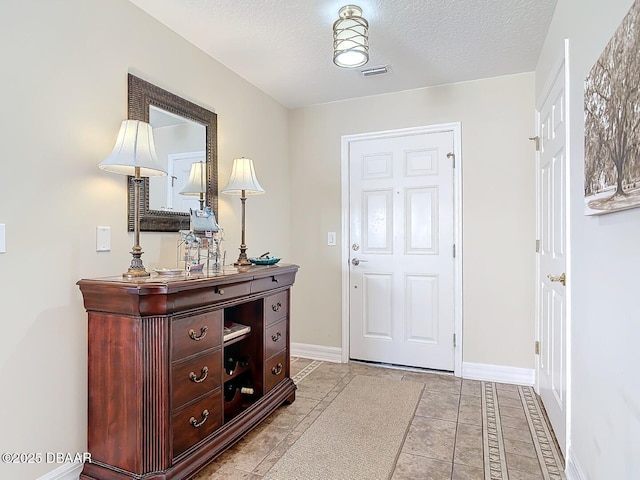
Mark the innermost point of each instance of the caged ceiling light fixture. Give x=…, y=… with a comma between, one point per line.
x=350, y=38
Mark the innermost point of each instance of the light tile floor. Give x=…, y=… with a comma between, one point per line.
x=461, y=430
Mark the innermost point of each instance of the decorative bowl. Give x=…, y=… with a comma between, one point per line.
x=169, y=271
x=264, y=260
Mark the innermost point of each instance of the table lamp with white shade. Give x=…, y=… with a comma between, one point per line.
x=197, y=182
x=243, y=182
x=134, y=154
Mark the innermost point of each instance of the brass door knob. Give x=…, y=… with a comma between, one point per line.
x=562, y=278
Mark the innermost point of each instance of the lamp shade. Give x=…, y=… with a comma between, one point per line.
x=243, y=179
x=197, y=182
x=350, y=38
x=134, y=148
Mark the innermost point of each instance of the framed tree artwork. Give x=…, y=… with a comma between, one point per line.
x=612, y=122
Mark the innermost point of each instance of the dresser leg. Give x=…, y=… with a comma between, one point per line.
x=291, y=398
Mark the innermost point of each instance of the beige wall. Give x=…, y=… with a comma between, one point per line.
x=498, y=171
x=64, y=90
x=604, y=401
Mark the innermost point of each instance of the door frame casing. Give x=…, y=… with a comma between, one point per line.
x=561, y=64
x=456, y=129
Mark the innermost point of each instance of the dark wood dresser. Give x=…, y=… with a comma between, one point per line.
x=167, y=392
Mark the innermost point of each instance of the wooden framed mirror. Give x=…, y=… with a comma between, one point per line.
x=190, y=135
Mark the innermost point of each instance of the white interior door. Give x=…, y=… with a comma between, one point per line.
x=401, y=239
x=552, y=226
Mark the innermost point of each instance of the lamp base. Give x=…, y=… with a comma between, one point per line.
x=242, y=261
x=136, y=269
x=135, y=273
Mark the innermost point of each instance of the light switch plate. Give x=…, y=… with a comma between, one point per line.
x=103, y=239
x=331, y=238
x=3, y=245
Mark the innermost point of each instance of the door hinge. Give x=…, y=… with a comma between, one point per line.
x=537, y=246
x=454, y=250
x=537, y=140
x=453, y=157
x=454, y=340
x=537, y=347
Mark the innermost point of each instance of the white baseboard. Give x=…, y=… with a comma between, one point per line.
x=573, y=470
x=474, y=371
x=498, y=373
x=66, y=471
x=316, y=352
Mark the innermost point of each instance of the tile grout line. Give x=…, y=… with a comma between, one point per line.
x=455, y=437
x=495, y=466
x=545, y=448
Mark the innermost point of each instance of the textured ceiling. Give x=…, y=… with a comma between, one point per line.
x=285, y=47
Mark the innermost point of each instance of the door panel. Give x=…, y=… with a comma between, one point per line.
x=377, y=206
x=422, y=220
x=422, y=308
x=377, y=295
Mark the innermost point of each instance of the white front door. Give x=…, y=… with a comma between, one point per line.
x=401, y=244
x=552, y=258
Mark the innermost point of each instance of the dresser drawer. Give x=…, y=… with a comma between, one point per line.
x=195, y=333
x=276, y=307
x=193, y=423
x=275, y=338
x=275, y=369
x=276, y=280
x=225, y=292
x=194, y=378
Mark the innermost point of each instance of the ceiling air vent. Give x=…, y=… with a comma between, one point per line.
x=370, y=72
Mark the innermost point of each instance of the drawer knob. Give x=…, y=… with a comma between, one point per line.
x=275, y=337
x=277, y=370
x=220, y=291
x=276, y=307
x=195, y=423
x=203, y=333
x=274, y=279
x=194, y=378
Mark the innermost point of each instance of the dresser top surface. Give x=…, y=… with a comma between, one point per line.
x=228, y=275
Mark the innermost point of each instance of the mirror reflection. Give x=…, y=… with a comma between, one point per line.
x=180, y=142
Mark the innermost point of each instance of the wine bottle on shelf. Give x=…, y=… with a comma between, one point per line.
x=230, y=362
x=229, y=391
